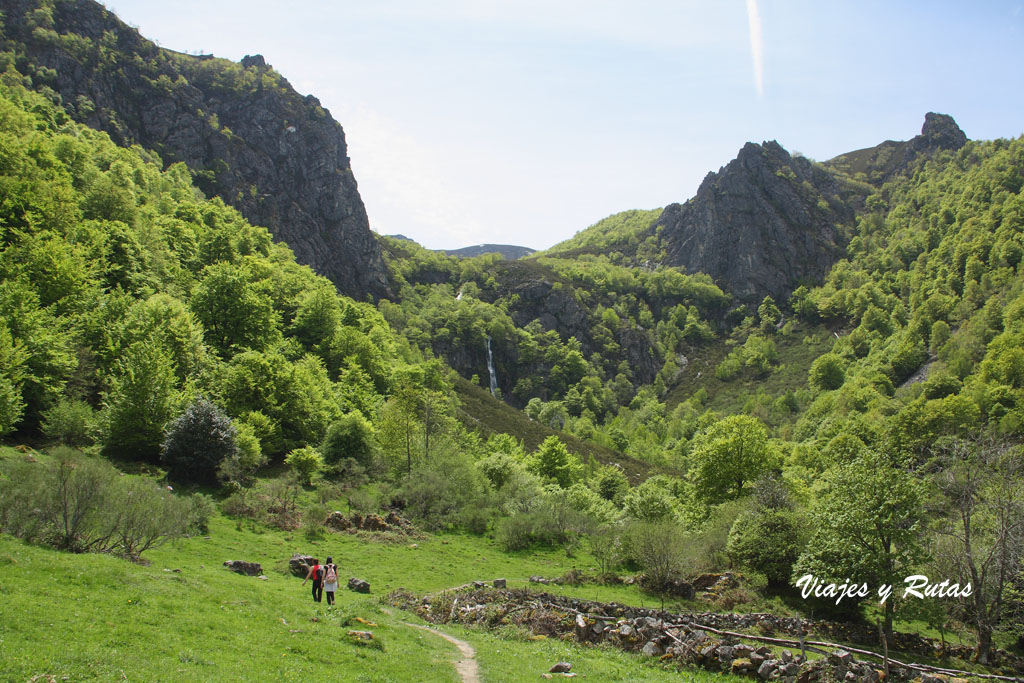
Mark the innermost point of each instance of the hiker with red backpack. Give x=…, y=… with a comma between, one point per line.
x=330, y=580
x=316, y=572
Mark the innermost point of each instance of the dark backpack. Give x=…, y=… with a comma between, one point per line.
x=318, y=572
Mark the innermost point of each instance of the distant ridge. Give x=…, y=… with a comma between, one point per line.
x=509, y=251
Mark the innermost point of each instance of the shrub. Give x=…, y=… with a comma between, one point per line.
x=237, y=471
x=611, y=482
x=439, y=491
x=197, y=442
x=656, y=547
x=553, y=461
x=70, y=421
x=767, y=541
x=81, y=504
x=306, y=463
x=499, y=468
x=349, y=437
x=649, y=502
x=552, y=522
x=827, y=372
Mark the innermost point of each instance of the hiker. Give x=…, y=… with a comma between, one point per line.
x=330, y=580
x=316, y=572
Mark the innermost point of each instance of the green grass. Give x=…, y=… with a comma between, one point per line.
x=508, y=655
x=96, y=617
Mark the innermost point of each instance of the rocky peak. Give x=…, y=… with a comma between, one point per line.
x=762, y=225
x=246, y=134
x=878, y=164
x=939, y=132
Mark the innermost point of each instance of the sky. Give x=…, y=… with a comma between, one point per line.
x=525, y=121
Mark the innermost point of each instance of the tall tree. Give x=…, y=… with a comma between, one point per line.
x=727, y=455
x=867, y=526
x=982, y=481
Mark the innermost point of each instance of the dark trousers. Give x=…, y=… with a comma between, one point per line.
x=318, y=590
x=330, y=597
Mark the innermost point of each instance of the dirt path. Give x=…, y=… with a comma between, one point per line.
x=466, y=666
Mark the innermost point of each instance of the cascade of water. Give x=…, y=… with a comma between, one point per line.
x=490, y=369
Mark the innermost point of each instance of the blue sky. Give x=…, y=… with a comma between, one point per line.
x=525, y=121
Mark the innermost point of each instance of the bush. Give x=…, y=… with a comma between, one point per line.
x=81, y=504
x=438, y=493
x=350, y=437
x=71, y=422
x=649, y=502
x=197, y=442
x=237, y=471
x=306, y=463
x=552, y=522
x=657, y=548
x=827, y=372
x=767, y=541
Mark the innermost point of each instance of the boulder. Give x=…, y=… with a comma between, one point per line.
x=741, y=666
x=766, y=669
x=652, y=649
x=358, y=585
x=247, y=568
x=500, y=583
x=299, y=565
x=561, y=668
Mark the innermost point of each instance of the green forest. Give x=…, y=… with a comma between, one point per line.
x=175, y=363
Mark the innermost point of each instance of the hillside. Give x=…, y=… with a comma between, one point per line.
x=807, y=369
x=245, y=134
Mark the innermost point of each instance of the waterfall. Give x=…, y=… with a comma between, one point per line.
x=490, y=369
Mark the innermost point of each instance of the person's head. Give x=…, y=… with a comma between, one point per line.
x=329, y=560
x=316, y=561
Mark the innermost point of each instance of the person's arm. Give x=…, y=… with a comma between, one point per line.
x=309, y=573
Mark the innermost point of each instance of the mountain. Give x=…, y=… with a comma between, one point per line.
x=881, y=162
x=508, y=251
x=247, y=135
x=768, y=221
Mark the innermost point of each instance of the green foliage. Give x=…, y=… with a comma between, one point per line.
x=81, y=504
x=827, y=372
x=553, y=461
x=349, y=437
x=236, y=471
x=727, y=455
x=141, y=400
x=768, y=541
x=649, y=502
x=867, y=525
x=197, y=442
x=657, y=548
x=306, y=463
x=71, y=422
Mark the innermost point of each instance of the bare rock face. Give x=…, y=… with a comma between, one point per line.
x=249, y=138
x=762, y=225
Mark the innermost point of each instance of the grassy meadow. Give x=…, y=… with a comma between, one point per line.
x=184, y=616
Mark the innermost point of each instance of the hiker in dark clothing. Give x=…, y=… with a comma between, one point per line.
x=316, y=572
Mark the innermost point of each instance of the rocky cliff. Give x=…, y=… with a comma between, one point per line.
x=249, y=138
x=764, y=223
